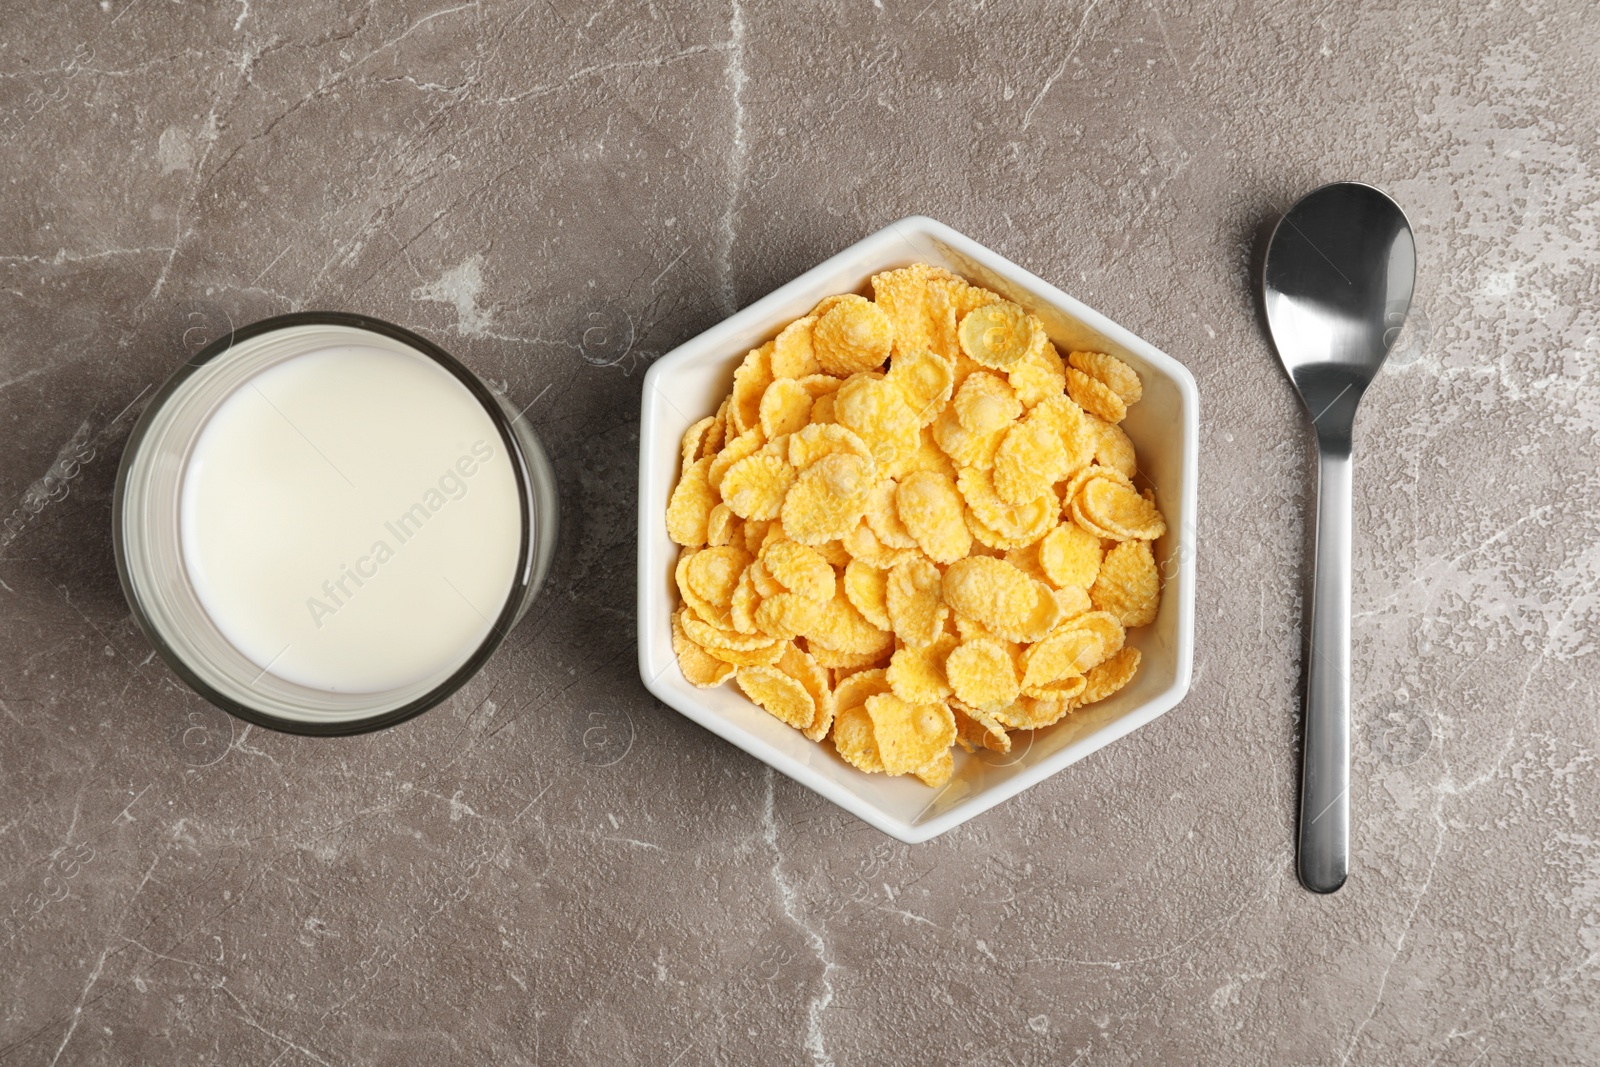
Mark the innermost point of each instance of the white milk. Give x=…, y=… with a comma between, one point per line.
x=350, y=519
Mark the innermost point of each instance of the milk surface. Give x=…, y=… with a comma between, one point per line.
x=350, y=519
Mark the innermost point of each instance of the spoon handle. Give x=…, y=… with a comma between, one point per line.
x=1325, y=778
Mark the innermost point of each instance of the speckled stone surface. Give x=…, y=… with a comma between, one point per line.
x=554, y=868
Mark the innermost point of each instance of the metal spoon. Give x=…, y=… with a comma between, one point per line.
x=1337, y=284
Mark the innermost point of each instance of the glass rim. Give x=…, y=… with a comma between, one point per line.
x=499, y=629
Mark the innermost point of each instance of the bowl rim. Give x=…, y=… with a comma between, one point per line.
x=516, y=596
x=762, y=312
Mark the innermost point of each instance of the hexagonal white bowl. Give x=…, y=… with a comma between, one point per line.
x=688, y=383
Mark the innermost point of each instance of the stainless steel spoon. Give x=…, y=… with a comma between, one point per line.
x=1337, y=285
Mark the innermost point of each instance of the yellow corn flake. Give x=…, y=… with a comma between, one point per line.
x=944, y=310
x=938, y=771
x=803, y=668
x=1070, y=555
x=1108, y=505
x=1026, y=560
x=786, y=615
x=986, y=403
x=700, y=667
x=1066, y=653
x=827, y=499
x=755, y=487
x=1112, y=447
x=742, y=612
x=715, y=639
x=883, y=515
x=963, y=447
x=867, y=589
x=1094, y=470
x=1110, y=676
x=999, y=335
x=1001, y=598
x=785, y=407
x=1031, y=713
x=905, y=297
x=1029, y=461
x=964, y=296
x=981, y=673
x=713, y=573
x=862, y=544
x=1062, y=691
x=698, y=606
x=694, y=439
x=915, y=607
x=878, y=414
x=715, y=437
x=855, y=739
x=755, y=534
x=1128, y=586
x=1071, y=651
x=723, y=527
x=828, y=303
x=850, y=660
x=1014, y=524
x=1074, y=601
x=976, y=728
x=929, y=457
x=689, y=510
x=971, y=430
x=1110, y=372
x=853, y=691
x=777, y=447
x=746, y=444
x=841, y=673
x=1039, y=376
x=853, y=335
x=1094, y=396
x=909, y=736
x=966, y=367
x=989, y=541
x=1074, y=508
x=917, y=674
x=1079, y=434
x=784, y=697
x=844, y=629
x=1110, y=631
x=978, y=547
x=763, y=581
x=931, y=508
x=822, y=413
x=966, y=627
x=925, y=380
x=792, y=352
x=759, y=656
x=818, y=386
x=989, y=592
x=750, y=381
x=817, y=440
x=834, y=553
x=799, y=569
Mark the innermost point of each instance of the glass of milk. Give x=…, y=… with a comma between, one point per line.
x=325, y=524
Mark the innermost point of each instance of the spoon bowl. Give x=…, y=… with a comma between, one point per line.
x=1337, y=283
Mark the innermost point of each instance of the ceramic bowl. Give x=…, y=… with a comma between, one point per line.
x=688, y=383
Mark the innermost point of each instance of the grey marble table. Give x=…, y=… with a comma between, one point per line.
x=554, y=868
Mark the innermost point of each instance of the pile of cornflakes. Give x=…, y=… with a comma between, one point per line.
x=938, y=553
